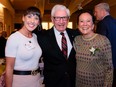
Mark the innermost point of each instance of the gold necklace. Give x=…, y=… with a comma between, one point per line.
x=88, y=39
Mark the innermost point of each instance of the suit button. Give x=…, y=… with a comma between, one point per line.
x=66, y=73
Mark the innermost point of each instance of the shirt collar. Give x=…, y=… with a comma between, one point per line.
x=57, y=32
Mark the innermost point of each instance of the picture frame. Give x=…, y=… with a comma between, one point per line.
x=1, y=26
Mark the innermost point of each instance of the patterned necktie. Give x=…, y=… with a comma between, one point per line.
x=64, y=45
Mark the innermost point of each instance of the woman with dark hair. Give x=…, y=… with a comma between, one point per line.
x=23, y=53
x=93, y=55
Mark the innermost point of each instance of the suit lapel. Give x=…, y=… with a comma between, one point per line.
x=71, y=38
x=53, y=42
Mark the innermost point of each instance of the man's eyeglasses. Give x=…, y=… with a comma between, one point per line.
x=65, y=18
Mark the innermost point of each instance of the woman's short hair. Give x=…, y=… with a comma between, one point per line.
x=34, y=11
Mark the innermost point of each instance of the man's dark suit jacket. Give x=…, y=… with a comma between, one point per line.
x=107, y=27
x=57, y=69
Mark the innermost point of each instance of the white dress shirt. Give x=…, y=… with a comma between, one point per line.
x=59, y=37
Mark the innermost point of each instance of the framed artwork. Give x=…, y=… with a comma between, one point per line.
x=1, y=26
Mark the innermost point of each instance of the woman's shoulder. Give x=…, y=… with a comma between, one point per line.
x=101, y=36
x=14, y=39
x=78, y=36
x=78, y=39
x=14, y=35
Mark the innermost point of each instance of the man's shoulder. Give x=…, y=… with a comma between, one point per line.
x=73, y=31
x=109, y=18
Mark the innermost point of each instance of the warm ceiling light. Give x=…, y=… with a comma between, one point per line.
x=1, y=5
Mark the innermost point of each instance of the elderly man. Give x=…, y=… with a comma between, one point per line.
x=59, y=61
